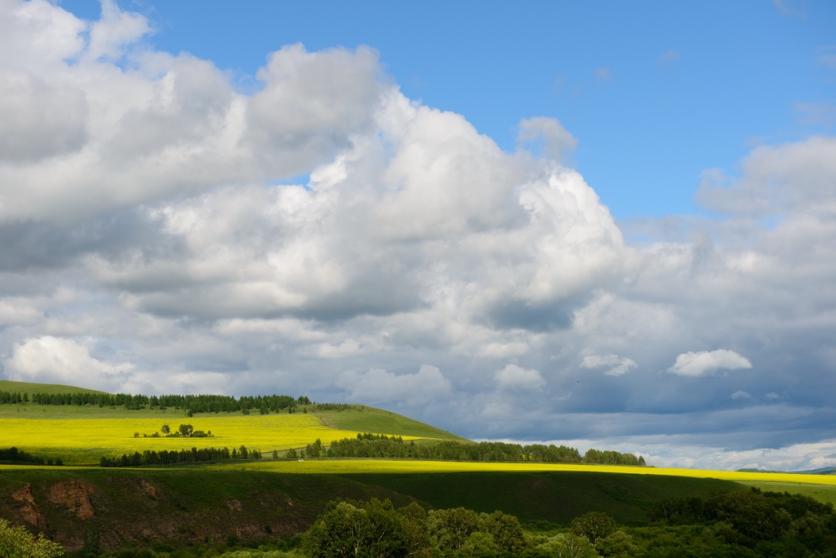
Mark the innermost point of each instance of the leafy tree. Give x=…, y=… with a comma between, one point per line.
x=479, y=545
x=567, y=545
x=450, y=529
x=594, y=526
x=373, y=531
x=314, y=450
x=617, y=544
x=165, y=429
x=186, y=430
x=506, y=532
x=415, y=525
x=17, y=542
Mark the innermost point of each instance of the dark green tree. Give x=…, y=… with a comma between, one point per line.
x=450, y=529
x=594, y=526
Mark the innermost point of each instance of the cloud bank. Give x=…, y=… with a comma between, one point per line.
x=164, y=230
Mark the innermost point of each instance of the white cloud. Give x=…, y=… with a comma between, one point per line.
x=741, y=395
x=615, y=365
x=115, y=29
x=18, y=311
x=54, y=359
x=39, y=119
x=798, y=176
x=701, y=363
x=518, y=378
x=425, y=386
x=160, y=201
x=666, y=451
x=555, y=141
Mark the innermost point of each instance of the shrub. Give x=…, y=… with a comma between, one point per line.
x=17, y=542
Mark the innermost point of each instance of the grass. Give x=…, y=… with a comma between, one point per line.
x=33, y=411
x=26, y=387
x=821, y=492
x=368, y=419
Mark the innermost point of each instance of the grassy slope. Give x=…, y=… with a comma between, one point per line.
x=821, y=492
x=26, y=387
x=553, y=497
x=369, y=419
x=198, y=504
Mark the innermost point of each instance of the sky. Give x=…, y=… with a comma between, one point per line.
x=602, y=224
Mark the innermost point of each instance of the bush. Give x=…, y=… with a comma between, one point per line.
x=17, y=542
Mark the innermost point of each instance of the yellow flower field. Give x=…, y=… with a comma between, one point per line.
x=347, y=466
x=85, y=440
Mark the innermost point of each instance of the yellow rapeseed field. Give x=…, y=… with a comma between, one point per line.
x=85, y=440
x=346, y=466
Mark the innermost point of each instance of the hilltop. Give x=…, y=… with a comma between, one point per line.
x=31, y=387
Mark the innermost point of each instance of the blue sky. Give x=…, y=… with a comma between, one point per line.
x=655, y=92
x=329, y=199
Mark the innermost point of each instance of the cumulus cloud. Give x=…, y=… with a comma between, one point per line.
x=613, y=365
x=325, y=234
x=39, y=119
x=114, y=30
x=701, y=363
x=54, y=359
x=516, y=377
x=554, y=140
x=777, y=179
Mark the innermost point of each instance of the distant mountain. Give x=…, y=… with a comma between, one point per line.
x=821, y=471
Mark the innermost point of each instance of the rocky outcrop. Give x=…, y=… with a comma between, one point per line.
x=25, y=506
x=74, y=496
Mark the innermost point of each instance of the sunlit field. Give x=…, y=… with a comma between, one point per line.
x=350, y=466
x=85, y=440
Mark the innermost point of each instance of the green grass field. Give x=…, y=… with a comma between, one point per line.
x=822, y=492
x=368, y=419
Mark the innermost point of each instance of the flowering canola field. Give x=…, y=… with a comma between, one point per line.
x=85, y=440
x=349, y=466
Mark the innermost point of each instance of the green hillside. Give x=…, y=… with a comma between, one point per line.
x=81, y=434
x=369, y=419
x=118, y=508
x=30, y=387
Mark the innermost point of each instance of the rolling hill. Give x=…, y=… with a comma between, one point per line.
x=89, y=507
x=30, y=387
